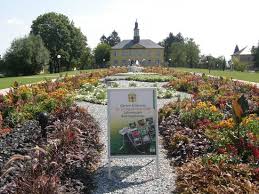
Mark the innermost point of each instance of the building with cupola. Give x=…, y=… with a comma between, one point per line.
x=141, y=51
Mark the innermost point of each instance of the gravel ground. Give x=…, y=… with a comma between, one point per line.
x=131, y=175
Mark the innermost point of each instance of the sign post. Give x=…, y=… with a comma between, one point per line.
x=132, y=124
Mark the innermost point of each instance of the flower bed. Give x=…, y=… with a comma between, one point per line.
x=97, y=93
x=150, y=78
x=64, y=162
x=213, y=135
x=61, y=158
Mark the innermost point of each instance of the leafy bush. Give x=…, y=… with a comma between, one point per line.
x=182, y=143
x=201, y=115
x=65, y=164
x=27, y=56
x=216, y=178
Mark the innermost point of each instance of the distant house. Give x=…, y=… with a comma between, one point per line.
x=145, y=51
x=244, y=56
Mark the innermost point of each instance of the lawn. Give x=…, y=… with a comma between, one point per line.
x=8, y=81
x=247, y=76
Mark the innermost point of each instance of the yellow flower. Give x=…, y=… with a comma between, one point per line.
x=229, y=123
x=201, y=105
x=213, y=108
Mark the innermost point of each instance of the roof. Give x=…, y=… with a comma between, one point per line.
x=243, y=51
x=126, y=44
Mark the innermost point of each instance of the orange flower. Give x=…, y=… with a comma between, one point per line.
x=229, y=123
x=213, y=108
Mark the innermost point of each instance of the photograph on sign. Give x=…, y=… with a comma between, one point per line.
x=132, y=121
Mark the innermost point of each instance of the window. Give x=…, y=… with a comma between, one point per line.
x=115, y=53
x=157, y=62
x=115, y=62
x=149, y=62
x=124, y=53
x=124, y=62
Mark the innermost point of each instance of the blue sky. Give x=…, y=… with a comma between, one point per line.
x=216, y=25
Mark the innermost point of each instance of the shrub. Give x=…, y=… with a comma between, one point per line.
x=201, y=115
x=66, y=164
x=197, y=177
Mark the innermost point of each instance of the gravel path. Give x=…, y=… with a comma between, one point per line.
x=131, y=175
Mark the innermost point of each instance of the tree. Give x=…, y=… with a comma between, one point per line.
x=255, y=52
x=178, y=54
x=86, y=60
x=104, y=39
x=168, y=41
x=111, y=40
x=224, y=64
x=102, y=54
x=27, y=56
x=1, y=64
x=61, y=37
x=184, y=53
x=192, y=53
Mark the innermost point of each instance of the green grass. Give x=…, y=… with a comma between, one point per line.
x=8, y=81
x=247, y=76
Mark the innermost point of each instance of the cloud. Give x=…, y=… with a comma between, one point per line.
x=15, y=21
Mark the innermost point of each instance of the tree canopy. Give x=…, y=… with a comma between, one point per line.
x=86, y=59
x=111, y=40
x=208, y=61
x=255, y=52
x=1, y=64
x=168, y=41
x=102, y=54
x=61, y=37
x=26, y=56
x=184, y=53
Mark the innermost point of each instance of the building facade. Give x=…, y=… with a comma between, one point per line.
x=145, y=51
x=244, y=56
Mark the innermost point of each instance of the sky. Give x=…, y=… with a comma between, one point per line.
x=215, y=25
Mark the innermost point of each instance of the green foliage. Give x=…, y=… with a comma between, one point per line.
x=192, y=53
x=111, y=40
x=184, y=53
x=86, y=59
x=168, y=41
x=178, y=54
x=1, y=65
x=255, y=52
x=238, y=65
x=199, y=116
x=61, y=37
x=208, y=61
x=27, y=56
x=151, y=78
x=102, y=54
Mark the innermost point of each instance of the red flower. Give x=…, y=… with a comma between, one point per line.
x=135, y=133
x=241, y=141
x=70, y=136
x=250, y=146
x=256, y=153
x=221, y=150
x=232, y=149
